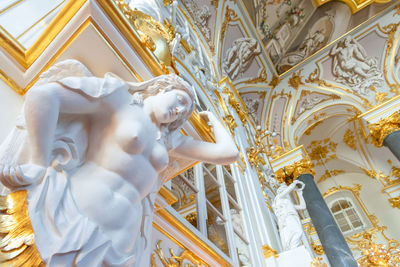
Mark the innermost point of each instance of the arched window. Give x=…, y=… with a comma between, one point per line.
x=346, y=216
x=348, y=211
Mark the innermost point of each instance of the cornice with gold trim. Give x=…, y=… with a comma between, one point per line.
x=291, y=172
x=385, y=126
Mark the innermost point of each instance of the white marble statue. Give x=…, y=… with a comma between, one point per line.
x=239, y=56
x=90, y=150
x=352, y=67
x=290, y=228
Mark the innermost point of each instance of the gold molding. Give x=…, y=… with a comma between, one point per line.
x=176, y=261
x=192, y=237
x=27, y=56
x=355, y=5
x=167, y=194
x=291, y=172
x=127, y=29
x=385, y=126
x=269, y=252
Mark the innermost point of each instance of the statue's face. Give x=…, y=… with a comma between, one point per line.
x=169, y=106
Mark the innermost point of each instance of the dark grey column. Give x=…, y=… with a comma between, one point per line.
x=332, y=240
x=392, y=141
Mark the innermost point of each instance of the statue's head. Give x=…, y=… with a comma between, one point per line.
x=172, y=99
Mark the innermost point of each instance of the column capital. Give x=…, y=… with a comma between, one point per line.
x=291, y=172
x=383, y=128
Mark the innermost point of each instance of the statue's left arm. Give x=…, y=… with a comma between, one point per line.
x=223, y=151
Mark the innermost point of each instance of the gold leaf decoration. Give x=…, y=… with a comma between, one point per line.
x=329, y=174
x=383, y=128
x=321, y=151
x=349, y=139
x=17, y=246
x=295, y=81
x=186, y=259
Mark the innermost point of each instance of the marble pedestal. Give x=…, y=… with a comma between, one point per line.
x=298, y=257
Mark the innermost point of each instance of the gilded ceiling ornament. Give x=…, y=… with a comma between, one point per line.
x=378, y=131
x=291, y=172
x=17, y=245
x=230, y=15
x=395, y=202
x=322, y=151
x=275, y=81
x=262, y=78
x=317, y=121
x=186, y=259
x=295, y=81
x=329, y=174
x=349, y=139
x=269, y=252
x=390, y=30
x=381, y=97
x=314, y=78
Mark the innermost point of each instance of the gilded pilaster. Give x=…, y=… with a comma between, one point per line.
x=378, y=131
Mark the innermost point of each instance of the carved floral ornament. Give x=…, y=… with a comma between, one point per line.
x=383, y=128
x=291, y=172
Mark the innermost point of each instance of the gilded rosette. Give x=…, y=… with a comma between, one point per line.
x=17, y=245
x=291, y=172
x=378, y=131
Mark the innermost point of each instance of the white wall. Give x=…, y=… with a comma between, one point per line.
x=10, y=106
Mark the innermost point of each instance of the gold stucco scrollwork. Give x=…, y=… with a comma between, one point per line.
x=186, y=259
x=230, y=122
x=295, y=81
x=291, y=172
x=383, y=128
x=17, y=245
x=270, y=252
x=395, y=202
x=236, y=105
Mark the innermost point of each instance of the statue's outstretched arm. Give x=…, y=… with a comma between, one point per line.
x=223, y=151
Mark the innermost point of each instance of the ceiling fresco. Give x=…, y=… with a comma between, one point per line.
x=294, y=30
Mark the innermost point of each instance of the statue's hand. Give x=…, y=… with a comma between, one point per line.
x=299, y=188
x=22, y=175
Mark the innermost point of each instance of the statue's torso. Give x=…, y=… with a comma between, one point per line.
x=122, y=166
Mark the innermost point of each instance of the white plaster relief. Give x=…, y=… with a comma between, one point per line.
x=352, y=66
x=239, y=56
x=200, y=17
